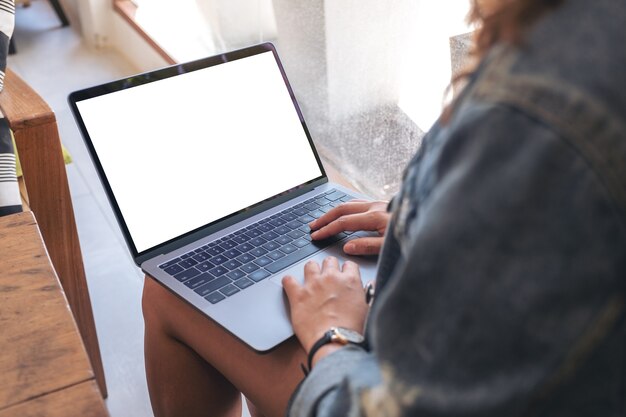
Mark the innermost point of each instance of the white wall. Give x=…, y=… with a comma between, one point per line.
x=103, y=27
x=129, y=43
x=95, y=19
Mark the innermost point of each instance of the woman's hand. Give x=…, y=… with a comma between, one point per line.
x=353, y=216
x=332, y=295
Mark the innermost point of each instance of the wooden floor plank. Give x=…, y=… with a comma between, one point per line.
x=41, y=350
x=82, y=400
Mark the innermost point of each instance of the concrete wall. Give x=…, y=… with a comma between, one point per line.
x=103, y=27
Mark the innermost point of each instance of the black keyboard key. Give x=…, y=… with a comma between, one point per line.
x=283, y=240
x=277, y=222
x=244, y=283
x=293, y=225
x=205, y=266
x=275, y=255
x=335, y=203
x=317, y=214
x=254, y=233
x=300, y=242
x=295, y=234
x=262, y=261
x=308, y=250
x=307, y=237
x=188, y=263
x=241, y=238
x=170, y=263
x=335, y=196
x=229, y=290
x=199, y=280
x=250, y=267
x=292, y=258
x=202, y=256
x=321, y=201
x=218, y=271
x=282, y=230
x=289, y=217
x=270, y=235
x=258, y=241
x=174, y=269
x=216, y=284
x=346, y=198
x=265, y=227
x=301, y=211
x=215, y=297
x=228, y=244
x=245, y=258
x=232, y=264
x=305, y=228
x=259, y=275
x=236, y=274
x=185, y=256
x=246, y=247
x=288, y=248
x=258, y=252
x=215, y=250
x=326, y=209
x=219, y=259
x=306, y=219
x=185, y=275
x=311, y=206
x=231, y=253
x=271, y=246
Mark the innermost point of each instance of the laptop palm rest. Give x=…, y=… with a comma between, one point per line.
x=262, y=324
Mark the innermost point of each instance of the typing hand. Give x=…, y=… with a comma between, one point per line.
x=353, y=216
x=332, y=295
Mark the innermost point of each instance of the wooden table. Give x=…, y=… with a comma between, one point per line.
x=44, y=369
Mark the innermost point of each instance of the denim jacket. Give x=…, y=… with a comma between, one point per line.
x=502, y=282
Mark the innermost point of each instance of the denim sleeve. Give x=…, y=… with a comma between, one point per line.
x=511, y=300
x=511, y=293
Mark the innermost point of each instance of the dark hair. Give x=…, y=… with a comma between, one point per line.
x=504, y=21
x=497, y=21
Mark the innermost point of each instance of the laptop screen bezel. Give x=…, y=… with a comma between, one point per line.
x=164, y=73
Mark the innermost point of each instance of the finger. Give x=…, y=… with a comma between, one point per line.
x=311, y=270
x=330, y=263
x=371, y=220
x=291, y=287
x=351, y=268
x=341, y=210
x=364, y=246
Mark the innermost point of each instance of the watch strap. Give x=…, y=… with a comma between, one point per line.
x=324, y=340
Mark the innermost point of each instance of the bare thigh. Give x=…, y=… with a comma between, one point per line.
x=268, y=380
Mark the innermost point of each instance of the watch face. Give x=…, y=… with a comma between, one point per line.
x=349, y=336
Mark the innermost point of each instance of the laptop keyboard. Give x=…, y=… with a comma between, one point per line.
x=235, y=262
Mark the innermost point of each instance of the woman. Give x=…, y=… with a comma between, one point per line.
x=501, y=282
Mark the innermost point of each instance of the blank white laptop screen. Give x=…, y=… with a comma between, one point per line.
x=185, y=151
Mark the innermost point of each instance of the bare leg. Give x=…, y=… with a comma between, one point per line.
x=195, y=368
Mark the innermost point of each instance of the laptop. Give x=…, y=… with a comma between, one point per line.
x=213, y=178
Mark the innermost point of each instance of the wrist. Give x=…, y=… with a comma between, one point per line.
x=332, y=340
x=324, y=351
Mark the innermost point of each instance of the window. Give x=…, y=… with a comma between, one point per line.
x=370, y=75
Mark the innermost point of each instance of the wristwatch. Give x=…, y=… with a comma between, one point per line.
x=338, y=335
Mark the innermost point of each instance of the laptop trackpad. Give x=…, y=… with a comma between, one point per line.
x=367, y=264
